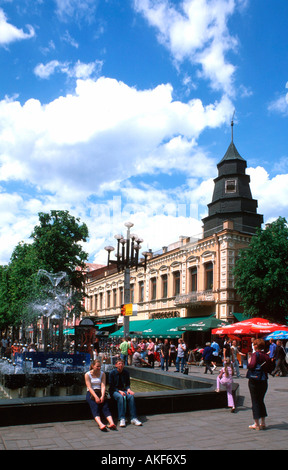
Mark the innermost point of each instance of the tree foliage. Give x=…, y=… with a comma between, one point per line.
x=261, y=273
x=58, y=243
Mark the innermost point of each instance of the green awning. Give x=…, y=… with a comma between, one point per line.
x=67, y=331
x=239, y=316
x=202, y=324
x=105, y=325
x=168, y=327
x=135, y=328
x=164, y=328
x=160, y=328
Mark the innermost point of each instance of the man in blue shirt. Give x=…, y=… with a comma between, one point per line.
x=207, y=357
x=272, y=350
x=181, y=355
x=216, y=348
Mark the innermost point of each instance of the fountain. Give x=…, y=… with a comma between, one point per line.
x=53, y=309
x=46, y=373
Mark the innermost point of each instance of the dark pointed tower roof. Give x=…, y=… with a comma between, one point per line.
x=231, y=154
x=232, y=199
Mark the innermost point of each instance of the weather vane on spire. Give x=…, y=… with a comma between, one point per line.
x=232, y=124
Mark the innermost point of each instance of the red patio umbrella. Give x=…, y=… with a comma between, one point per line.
x=252, y=326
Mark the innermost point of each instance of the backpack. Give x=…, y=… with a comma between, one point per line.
x=260, y=370
x=268, y=366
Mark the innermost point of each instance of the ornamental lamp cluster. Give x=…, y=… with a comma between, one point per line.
x=127, y=254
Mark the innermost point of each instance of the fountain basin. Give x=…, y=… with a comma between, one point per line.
x=192, y=393
x=13, y=381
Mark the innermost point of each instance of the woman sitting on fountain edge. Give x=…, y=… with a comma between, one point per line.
x=95, y=381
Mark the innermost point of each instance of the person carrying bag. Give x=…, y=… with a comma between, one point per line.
x=259, y=366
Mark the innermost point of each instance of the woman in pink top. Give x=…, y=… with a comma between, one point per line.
x=225, y=378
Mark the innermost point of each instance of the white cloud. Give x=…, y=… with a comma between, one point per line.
x=271, y=193
x=45, y=71
x=10, y=33
x=76, y=9
x=106, y=129
x=87, y=143
x=69, y=39
x=77, y=70
x=280, y=105
x=196, y=30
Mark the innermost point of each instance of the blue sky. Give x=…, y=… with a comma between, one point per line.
x=120, y=110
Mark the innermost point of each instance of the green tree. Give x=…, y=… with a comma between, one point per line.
x=23, y=290
x=58, y=241
x=5, y=313
x=261, y=273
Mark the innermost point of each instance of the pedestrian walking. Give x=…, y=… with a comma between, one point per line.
x=164, y=354
x=150, y=352
x=124, y=350
x=280, y=365
x=236, y=351
x=207, y=357
x=172, y=354
x=181, y=352
x=216, y=352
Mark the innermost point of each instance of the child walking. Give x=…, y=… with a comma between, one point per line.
x=225, y=378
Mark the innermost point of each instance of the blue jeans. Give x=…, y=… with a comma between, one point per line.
x=124, y=358
x=122, y=402
x=236, y=367
x=180, y=360
x=97, y=407
x=164, y=360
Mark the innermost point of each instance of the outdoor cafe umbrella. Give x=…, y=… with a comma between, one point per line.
x=252, y=326
x=278, y=334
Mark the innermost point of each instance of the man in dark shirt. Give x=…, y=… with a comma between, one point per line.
x=280, y=354
x=119, y=389
x=207, y=357
x=164, y=354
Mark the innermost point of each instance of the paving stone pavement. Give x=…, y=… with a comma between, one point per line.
x=215, y=429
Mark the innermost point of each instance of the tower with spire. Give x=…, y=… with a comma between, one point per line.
x=232, y=199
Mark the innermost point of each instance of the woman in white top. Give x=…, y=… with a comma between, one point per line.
x=95, y=381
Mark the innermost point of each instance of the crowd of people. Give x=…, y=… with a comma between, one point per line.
x=9, y=348
x=168, y=352
x=146, y=353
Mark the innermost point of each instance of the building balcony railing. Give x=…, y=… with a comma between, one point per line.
x=200, y=297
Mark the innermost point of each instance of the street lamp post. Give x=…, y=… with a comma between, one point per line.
x=127, y=256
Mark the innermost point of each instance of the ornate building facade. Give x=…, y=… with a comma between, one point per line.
x=190, y=278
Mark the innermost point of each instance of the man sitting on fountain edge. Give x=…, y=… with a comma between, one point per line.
x=119, y=389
